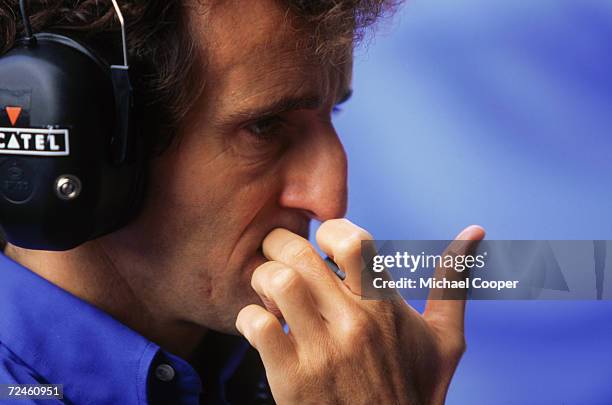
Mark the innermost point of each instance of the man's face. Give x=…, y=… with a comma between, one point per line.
x=257, y=152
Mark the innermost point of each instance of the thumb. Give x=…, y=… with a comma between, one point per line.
x=446, y=307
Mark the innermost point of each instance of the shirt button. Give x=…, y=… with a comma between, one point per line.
x=164, y=372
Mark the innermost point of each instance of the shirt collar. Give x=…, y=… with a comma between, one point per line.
x=69, y=341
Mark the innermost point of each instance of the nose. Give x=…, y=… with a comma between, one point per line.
x=315, y=178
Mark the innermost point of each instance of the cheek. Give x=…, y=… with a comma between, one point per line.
x=209, y=176
x=204, y=202
x=204, y=194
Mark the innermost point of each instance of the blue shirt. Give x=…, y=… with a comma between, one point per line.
x=49, y=336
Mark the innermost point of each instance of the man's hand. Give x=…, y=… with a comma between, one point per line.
x=340, y=348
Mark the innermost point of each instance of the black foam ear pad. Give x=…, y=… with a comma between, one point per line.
x=64, y=135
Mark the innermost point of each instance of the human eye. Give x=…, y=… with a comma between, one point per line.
x=267, y=129
x=263, y=137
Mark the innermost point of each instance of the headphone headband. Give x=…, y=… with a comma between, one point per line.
x=123, y=36
x=29, y=36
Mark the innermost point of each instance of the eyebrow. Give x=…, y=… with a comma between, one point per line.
x=284, y=104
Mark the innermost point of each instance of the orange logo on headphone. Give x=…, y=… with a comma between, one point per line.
x=13, y=114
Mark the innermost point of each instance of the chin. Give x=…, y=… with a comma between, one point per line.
x=239, y=294
x=226, y=322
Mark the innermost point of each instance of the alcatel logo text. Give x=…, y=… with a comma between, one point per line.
x=34, y=142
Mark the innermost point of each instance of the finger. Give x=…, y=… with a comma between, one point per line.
x=296, y=252
x=447, y=306
x=265, y=333
x=283, y=289
x=342, y=241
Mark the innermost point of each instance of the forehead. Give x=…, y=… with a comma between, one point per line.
x=254, y=48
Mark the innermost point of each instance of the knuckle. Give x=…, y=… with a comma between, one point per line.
x=263, y=325
x=350, y=245
x=306, y=252
x=285, y=280
x=263, y=272
x=250, y=319
x=460, y=347
x=243, y=315
x=337, y=226
x=347, y=248
x=363, y=234
x=357, y=329
x=456, y=348
x=333, y=223
x=297, y=248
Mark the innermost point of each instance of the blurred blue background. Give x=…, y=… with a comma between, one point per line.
x=497, y=113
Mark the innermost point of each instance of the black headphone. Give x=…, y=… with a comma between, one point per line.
x=71, y=164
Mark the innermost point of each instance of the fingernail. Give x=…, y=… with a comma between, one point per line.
x=472, y=232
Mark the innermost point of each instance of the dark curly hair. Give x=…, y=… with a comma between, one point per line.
x=162, y=52
x=163, y=55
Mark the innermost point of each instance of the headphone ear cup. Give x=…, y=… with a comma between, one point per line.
x=70, y=166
